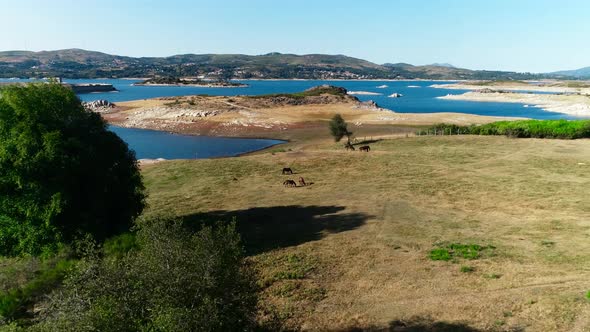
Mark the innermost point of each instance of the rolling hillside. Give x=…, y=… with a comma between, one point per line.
x=576, y=73
x=77, y=63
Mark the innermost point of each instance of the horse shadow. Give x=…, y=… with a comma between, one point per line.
x=267, y=228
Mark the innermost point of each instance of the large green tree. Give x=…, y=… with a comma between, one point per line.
x=63, y=174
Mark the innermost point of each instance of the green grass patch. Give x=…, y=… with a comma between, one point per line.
x=561, y=129
x=588, y=295
x=119, y=245
x=440, y=255
x=467, y=269
x=331, y=90
x=458, y=250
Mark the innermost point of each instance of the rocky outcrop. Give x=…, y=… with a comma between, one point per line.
x=99, y=106
x=368, y=105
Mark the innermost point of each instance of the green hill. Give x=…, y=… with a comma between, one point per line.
x=77, y=63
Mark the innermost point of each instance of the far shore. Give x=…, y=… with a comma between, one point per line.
x=507, y=86
x=574, y=105
x=208, y=85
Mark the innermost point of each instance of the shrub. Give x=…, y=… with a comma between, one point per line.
x=563, y=129
x=15, y=302
x=339, y=128
x=175, y=281
x=63, y=174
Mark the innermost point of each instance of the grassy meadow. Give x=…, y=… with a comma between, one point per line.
x=438, y=233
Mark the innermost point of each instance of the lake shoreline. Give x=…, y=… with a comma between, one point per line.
x=575, y=105
x=242, y=117
x=192, y=85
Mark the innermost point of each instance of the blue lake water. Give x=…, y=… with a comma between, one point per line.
x=151, y=144
x=418, y=97
x=415, y=100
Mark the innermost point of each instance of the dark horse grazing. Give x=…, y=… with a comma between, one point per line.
x=287, y=170
x=289, y=183
x=365, y=148
x=349, y=146
x=302, y=182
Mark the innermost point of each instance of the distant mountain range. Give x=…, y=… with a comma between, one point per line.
x=577, y=73
x=77, y=63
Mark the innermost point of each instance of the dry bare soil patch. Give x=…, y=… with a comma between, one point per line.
x=353, y=250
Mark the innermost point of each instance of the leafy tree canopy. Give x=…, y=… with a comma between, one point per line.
x=63, y=174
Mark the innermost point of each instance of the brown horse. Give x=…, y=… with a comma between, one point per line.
x=365, y=148
x=287, y=170
x=289, y=183
x=302, y=182
x=349, y=146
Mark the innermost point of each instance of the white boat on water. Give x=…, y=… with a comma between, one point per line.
x=383, y=86
x=413, y=86
x=395, y=95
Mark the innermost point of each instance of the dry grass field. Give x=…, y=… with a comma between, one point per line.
x=353, y=250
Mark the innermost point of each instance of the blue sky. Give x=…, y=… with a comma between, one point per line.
x=519, y=35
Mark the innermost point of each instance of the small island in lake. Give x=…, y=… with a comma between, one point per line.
x=177, y=81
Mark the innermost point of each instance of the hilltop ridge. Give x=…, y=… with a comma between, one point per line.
x=78, y=63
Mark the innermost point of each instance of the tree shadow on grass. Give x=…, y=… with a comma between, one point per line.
x=368, y=141
x=267, y=228
x=418, y=324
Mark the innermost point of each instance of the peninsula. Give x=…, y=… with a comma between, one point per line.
x=278, y=116
x=196, y=82
x=567, y=97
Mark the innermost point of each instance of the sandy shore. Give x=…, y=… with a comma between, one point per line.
x=554, y=87
x=575, y=105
